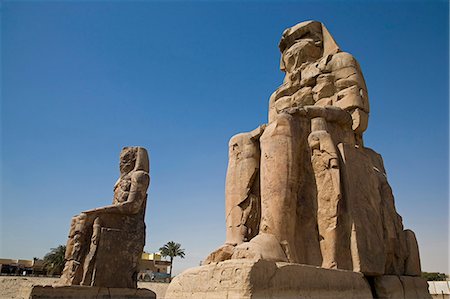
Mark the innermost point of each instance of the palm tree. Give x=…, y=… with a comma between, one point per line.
x=54, y=260
x=172, y=250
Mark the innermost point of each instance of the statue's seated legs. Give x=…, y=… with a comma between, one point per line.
x=93, y=247
x=281, y=154
x=243, y=202
x=278, y=183
x=79, y=235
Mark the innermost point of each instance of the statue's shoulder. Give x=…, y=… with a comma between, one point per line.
x=341, y=60
x=140, y=176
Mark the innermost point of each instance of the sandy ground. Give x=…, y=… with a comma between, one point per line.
x=17, y=287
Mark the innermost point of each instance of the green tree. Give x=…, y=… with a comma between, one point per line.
x=172, y=250
x=54, y=260
x=434, y=276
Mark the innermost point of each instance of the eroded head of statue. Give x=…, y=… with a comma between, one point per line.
x=127, y=159
x=302, y=51
x=299, y=44
x=305, y=42
x=133, y=158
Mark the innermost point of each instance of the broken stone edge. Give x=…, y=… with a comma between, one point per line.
x=87, y=292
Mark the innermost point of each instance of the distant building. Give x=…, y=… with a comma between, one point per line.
x=439, y=289
x=21, y=267
x=152, y=267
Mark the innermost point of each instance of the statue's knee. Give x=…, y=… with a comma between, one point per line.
x=239, y=140
x=243, y=146
x=283, y=125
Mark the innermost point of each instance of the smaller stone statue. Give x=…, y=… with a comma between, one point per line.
x=105, y=244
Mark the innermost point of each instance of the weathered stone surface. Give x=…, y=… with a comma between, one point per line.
x=105, y=244
x=364, y=211
x=262, y=279
x=280, y=181
x=412, y=264
x=400, y=287
x=262, y=247
x=325, y=162
x=394, y=238
x=243, y=208
x=415, y=287
x=315, y=67
x=388, y=287
x=19, y=287
x=85, y=292
x=324, y=197
x=242, y=193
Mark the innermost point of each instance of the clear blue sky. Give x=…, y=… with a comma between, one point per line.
x=80, y=80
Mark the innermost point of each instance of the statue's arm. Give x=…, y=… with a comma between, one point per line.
x=139, y=184
x=140, y=181
x=349, y=82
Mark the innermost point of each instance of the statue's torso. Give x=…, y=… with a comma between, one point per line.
x=122, y=189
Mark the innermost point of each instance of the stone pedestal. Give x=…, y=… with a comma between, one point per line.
x=401, y=287
x=84, y=292
x=263, y=279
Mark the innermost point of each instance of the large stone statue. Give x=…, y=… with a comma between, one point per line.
x=105, y=244
x=303, y=189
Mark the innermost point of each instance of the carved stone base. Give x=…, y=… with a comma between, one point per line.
x=262, y=279
x=84, y=292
